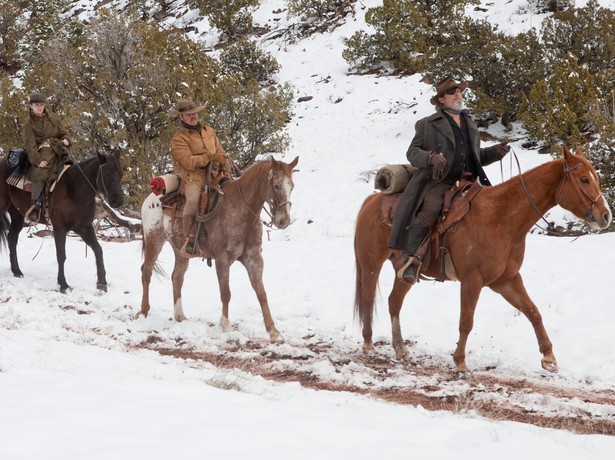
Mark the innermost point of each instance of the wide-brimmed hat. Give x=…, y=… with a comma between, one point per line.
x=185, y=106
x=36, y=98
x=444, y=85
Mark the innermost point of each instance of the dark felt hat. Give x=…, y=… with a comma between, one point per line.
x=36, y=98
x=444, y=85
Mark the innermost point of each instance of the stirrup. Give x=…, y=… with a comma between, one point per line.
x=409, y=262
x=198, y=253
x=34, y=213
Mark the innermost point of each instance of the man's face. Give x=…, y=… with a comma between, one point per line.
x=453, y=98
x=37, y=108
x=191, y=119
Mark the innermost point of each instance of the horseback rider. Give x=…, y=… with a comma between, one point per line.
x=445, y=147
x=46, y=142
x=195, y=149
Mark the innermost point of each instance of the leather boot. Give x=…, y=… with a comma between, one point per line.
x=188, y=228
x=408, y=272
x=34, y=213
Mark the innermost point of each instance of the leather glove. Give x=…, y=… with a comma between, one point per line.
x=438, y=163
x=502, y=149
x=218, y=158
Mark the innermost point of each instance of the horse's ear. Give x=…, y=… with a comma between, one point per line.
x=101, y=157
x=293, y=163
x=579, y=152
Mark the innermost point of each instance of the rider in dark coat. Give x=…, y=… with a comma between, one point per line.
x=446, y=146
x=46, y=141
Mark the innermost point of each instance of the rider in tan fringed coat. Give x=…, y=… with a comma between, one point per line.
x=446, y=146
x=194, y=147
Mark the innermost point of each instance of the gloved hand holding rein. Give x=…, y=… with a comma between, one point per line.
x=438, y=163
x=502, y=149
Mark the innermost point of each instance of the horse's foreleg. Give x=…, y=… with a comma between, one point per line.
x=514, y=292
x=255, y=272
x=396, y=300
x=179, y=271
x=60, y=240
x=89, y=237
x=223, y=274
x=470, y=291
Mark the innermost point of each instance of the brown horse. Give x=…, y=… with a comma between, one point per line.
x=233, y=233
x=486, y=248
x=72, y=207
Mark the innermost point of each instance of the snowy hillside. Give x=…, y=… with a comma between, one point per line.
x=83, y=377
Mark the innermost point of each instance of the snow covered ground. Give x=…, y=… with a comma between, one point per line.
x=77, y=382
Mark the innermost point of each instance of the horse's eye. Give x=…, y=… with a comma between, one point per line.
x=584, y=180
x=276, y=187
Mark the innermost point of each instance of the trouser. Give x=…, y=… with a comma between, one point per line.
x=426, y=217
x=37, y=189
x=192, y=193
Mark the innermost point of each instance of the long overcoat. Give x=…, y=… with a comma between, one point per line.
x=433, y=134
x=42, y=138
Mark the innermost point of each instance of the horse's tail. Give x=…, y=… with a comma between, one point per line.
x=147, y=217
x=4, y=230
x=367, y=267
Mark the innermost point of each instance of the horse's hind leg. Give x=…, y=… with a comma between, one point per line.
x=151, y=250
x=514, y=292
x=396, y=300
x=60, y=240
x=179, y=271
x=13, y=236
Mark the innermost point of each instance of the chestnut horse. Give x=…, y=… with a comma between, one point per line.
x=235, y=232
x=486, y=248
x=72, y=207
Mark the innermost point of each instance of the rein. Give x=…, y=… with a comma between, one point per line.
x=528, y=195
x=96, y=192
x=274, y=204
x=587, y=201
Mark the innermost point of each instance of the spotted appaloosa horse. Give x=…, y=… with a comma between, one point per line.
x=486, y=248
x=72, y=208
x=234, y=233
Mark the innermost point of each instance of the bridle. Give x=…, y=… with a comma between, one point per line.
x=585, y=198
x=274, y=203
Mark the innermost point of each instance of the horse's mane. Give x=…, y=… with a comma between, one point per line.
x=251, y=175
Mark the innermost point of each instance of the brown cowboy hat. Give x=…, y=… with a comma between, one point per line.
x=184, y=106
x=444, y=85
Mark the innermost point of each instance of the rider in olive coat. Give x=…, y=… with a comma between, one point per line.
x=45, y=141
x=446, y=146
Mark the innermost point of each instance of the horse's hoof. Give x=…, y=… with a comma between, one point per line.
x=18, y=275
x=101, y=287
x=463, y=375
x=64, y=290
x=276, y=337
x=368, y=348
x=225, y=324
x=549, y=366
x=180, y=318
x=402, y=353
